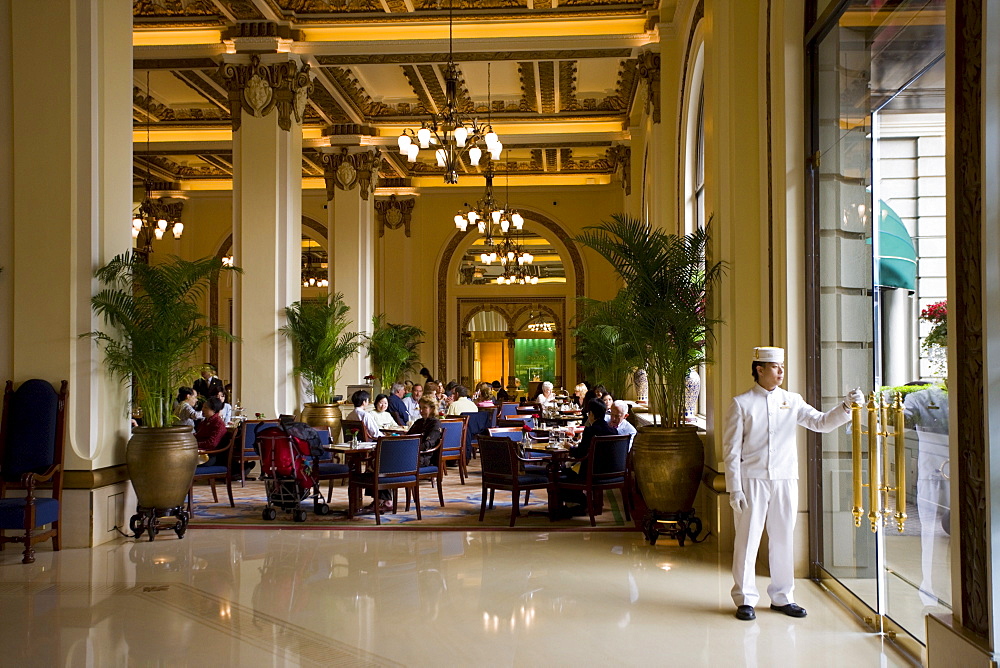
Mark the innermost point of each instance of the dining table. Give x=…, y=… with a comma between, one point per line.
x=355, y=456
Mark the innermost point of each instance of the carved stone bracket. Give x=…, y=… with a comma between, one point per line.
x=345, y=170
x=258, y=89
x=649, y=70
x=620, y=157
x=394, y=213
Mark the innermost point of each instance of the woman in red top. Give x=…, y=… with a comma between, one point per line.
x=211, y=430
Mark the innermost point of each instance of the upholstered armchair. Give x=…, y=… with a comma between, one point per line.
x=32, y=434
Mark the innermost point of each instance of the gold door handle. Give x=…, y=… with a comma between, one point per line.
x=881, y=416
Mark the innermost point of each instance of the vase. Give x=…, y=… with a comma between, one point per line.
x=161, y=463
x=324, y=415
x=692, y=390
x=641, y=381
x=668, y=463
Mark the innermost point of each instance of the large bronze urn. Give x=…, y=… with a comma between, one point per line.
x=324, y=415
x=161, y=463
x=668, y=464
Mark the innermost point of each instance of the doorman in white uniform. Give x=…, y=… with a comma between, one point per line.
x=762, y=477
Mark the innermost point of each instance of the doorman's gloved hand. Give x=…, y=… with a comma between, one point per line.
x=855, y=396
x=738, y=501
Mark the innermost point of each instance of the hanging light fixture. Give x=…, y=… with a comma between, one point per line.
x=152, y=218
x=450, y=134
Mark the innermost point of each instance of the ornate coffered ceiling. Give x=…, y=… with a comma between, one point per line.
x=559, y=79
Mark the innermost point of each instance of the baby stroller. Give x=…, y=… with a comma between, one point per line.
x=288, y=470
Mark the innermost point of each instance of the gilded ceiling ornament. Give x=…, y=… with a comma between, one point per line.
x=345, y=170
x=648, y=69
x=394, y=213
x=258, y=89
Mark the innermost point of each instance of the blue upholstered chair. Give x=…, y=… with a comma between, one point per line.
x=32, y=433
x=453, y=445
x=477, y=423
x=502, y=470
x=395, y=464
x=219, y=465
x=605, y=467
x=508, y=408
x=327, y=468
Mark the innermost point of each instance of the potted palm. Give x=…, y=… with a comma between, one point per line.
x=392, y=350
x=318, y=331
x=666, y=285
x=155, y=330
x=604, y=349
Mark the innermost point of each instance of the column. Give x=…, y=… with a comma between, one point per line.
x=267, y=95
x=69, y=151
x=351, y=229
x=969, y=636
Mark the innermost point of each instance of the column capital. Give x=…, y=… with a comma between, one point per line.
x=257, y=87
x=394, y=213
x=648, y=69
x=352, y=167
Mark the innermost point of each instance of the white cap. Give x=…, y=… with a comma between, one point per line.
x=768, y=354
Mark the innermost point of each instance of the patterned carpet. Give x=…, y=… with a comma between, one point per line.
x=460, y=512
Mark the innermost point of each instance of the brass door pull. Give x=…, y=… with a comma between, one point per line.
x=885, y=421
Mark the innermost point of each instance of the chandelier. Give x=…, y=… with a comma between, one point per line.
x=491, y=218
x=450, y=134
x=153, y=217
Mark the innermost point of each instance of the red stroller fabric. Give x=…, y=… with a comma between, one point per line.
x=285, y=456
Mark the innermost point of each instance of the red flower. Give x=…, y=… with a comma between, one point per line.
x=935, y=313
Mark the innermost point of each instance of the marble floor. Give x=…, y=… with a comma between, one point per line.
x=406, y=598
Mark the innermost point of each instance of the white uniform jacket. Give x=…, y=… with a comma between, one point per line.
x=759, y=439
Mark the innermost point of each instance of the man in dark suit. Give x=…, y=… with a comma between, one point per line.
x=597, y=426
x=397, y=407
x=209, y=385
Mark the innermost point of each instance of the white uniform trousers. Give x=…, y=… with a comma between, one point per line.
x=772, y=504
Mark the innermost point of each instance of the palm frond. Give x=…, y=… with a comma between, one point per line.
x=317, y=330
x=154, y=326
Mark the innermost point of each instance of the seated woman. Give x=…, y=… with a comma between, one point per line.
x=484, y=396
x=547, y=395
x=211, y=430
x=579, y=392
x=383, y=418
x=227, y=408
x=429, y=428
x=184, y=412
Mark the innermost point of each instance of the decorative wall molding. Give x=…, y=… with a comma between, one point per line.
x=258, y=89
x=345, y=170
x=620, y=157
x=648, y=69
x=394, y=213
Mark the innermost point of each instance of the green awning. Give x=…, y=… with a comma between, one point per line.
x=897, y=256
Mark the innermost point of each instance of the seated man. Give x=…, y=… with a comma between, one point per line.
x=460, y=401
x=362, y=400
x=619, y=411
x=397, y=407
x=413, y=403
x=598, y=426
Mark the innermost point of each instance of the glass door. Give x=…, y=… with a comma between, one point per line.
x=879, y=184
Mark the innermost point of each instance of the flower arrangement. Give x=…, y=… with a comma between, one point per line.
x=937, y=315
x=369, y=378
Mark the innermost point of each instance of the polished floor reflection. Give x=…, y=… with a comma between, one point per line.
x=406, y=598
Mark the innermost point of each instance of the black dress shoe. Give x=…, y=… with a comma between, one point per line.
x=745, y=613
x=791, y=610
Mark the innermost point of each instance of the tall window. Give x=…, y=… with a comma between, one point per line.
x=699, y=164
